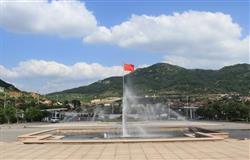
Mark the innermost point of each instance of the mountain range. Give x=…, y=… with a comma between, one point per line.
x=164, y=78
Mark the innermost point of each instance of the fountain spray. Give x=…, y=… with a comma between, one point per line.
x=130, y=68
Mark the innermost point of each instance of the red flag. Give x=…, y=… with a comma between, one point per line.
x=128, y=67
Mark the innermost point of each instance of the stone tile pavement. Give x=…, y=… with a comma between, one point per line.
x=212, y=150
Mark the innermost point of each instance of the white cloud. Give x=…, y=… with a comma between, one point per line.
x=48, y=75
x=143, y=66
x=190, y=39
x=62, y=18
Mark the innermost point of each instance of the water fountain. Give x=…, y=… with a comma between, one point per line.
x=142, y=121
x=98, y=113
x=139, y=112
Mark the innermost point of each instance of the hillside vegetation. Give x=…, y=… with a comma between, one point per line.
x=163, y=78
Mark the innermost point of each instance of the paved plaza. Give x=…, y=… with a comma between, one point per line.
x=229, y=149
x=213, y=150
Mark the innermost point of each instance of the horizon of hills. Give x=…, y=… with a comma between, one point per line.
x=164, y=79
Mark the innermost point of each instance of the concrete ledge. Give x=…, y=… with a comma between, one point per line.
x=221, y=134
x=33, y=135
x=35, y=141
x=201, y=134
x=42, y=137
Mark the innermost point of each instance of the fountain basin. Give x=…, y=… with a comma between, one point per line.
x=113, y=133
x=104, y=134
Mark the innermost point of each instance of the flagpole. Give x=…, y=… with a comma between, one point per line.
x=123, y=108
x=123, y=78
x=124, y=99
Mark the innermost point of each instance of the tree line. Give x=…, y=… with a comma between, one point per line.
x=228, y=110
x=22, y=109
x=11, y=114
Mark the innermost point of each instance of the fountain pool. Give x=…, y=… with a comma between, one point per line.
x=141, y=122
x=115, y=133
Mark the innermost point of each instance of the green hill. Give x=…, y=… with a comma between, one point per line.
x=163, y=78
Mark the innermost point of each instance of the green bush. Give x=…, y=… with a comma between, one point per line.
x=2, y=117
x=232, y=110
x=10, y=114
x=33, y=114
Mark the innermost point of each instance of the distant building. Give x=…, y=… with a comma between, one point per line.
x=56, y=113
x=46, y=102
x=95, y=101
x=58, y=103
x=106, y=101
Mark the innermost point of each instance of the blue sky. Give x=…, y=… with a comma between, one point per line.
x=25, y=45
